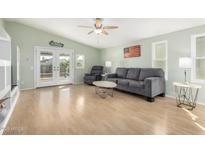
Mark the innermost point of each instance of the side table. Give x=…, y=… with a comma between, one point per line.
x=186, y=94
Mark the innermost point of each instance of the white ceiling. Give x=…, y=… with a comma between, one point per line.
x=130, y=29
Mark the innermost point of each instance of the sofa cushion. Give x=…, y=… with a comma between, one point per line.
x=133, y=73
x=89, y=77
x=123, y=82
x=150, y=72
x=136, y=84
x=97, y=70
x=121, y=72
x=112, y=79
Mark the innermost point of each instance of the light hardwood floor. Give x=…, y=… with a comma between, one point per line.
x=76, y=109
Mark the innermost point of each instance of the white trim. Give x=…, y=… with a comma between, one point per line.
x=4, y=91
x=160, y=59
x=16, y=90
x=5, y=62
x=194, y=57
x=6, y=36
x=52, y=48
x=200, y=57
x=199, y=35
x=18, y=65
x=198, y=81
x=34, y=66
x=78, y=83
x=5, y=39
x=198, y=102
x=165, y=59
x=27, y=89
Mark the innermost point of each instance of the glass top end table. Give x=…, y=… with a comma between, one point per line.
x=186, y=94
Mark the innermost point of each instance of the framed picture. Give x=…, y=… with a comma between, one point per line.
x=133, y=51
x=80, y=61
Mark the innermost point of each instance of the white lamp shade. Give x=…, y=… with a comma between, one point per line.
x=185, y=62
x=108, y=64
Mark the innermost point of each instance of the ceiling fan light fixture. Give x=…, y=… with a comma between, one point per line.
x=98, y=31
x=98, y=27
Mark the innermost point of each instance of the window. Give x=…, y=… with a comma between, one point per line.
x=159, y=56
x=80, y=61
x=198, y=56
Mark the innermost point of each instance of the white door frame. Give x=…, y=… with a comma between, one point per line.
x=194, y=58
x=52, y=49
x=18, y=65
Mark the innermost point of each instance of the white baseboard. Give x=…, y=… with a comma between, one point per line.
x=77, y=83
x=27, y=89
x=14, y=99
x=198, y=102
x=170, y=96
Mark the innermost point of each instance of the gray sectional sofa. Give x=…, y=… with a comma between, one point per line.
x=149, y=82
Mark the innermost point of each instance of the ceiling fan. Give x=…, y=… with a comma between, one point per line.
x=98, y=27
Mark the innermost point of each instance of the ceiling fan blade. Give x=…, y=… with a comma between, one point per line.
x=81, y=26
x=104, y=32
x=90, y=32
x=110, y=27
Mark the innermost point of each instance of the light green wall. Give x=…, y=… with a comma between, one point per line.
x=1, y=23
x=27, y=37
x=179, y=44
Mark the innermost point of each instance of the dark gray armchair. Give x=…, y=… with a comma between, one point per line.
x=95, y=75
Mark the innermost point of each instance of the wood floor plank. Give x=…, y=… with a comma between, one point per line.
x=76, y=109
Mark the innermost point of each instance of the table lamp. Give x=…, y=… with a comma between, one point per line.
x=185, y=63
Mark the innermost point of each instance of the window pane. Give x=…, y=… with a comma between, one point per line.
x=200, y=47
x=160, y=64
x=160, y=51
x=200, y=69
x=2, y=77
x=46, y=66
x=64, y=66
x=80, y=61
x=8, y=75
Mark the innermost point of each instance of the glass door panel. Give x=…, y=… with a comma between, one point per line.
x=46, y=66
x=64, y=66
x=200, y=67
x=160, y=51
x=200, y=47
